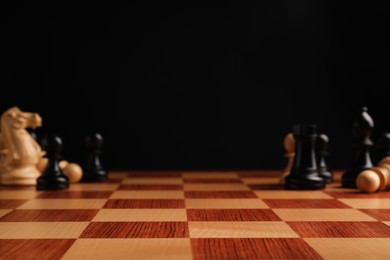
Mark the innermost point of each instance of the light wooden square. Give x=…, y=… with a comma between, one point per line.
x=93, y=187
x=210, y=175
x=372, y=203
x=264, y=180
x=4, y=212
x=152, y=181
x=322, y=215
x=250, y=229
x=63, y=204
x=225, y=204
x=291, y=194
x=216, y=187
x=18, y=194
x=143, y=249
x=153, y=194
x=141, y=215
x=38, y=230
x=351, y=248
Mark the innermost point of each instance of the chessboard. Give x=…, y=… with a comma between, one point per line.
x=193, y=215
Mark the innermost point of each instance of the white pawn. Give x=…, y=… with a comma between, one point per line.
x=72, y=170
x=374, y=179
x=289, y=146
x=385, y=163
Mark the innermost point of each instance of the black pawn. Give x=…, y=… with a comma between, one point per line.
x=322, y=143
x=361, y=142
x=52, y=178
x=304, y=174
x=94, y=170
x=383, y=145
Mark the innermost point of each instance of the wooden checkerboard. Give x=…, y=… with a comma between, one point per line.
x=193, y=215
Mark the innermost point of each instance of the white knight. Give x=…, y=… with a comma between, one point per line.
x=19, y=152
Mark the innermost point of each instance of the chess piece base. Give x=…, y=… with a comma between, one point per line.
x=20, y=175
x=57, y=183
x=96, y=176
x=326, y=175
x=309, y=182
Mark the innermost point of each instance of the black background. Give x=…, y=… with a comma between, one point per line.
x=192, y=86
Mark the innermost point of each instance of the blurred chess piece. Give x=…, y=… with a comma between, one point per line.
x=94, y=170
x=71, y=170
x=361, y=131
x=322, y=143
x=289, y=146
x=383, y=145
x=304, y=174
x=33, y=134
x=376, y=178
x=19, y=152
x=52, y=177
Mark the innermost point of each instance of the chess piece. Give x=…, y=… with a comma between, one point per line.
x=362, y=129
x=62, y=164
x=41, y=165
x=94, y=170
x=33, y=134
x=304, y=174
x=374, y=179
x=385, y=163
x=52, y=177
x=71, y=170
x=383, y=145
x=19, y=152
x=289, y=146
x=321, y=145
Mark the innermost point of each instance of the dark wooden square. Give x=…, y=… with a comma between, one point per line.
x=46, y=215
x=155, y=174
x=305, y=203
x=144, y=203
x=266, y=186
x=259, y=173
x=212, y=181
x=252, y=248
x=34, y=248
x=75, y=194
x=340, y=229
x=151, y=187
x=11, y=204
x=357, y=194
x=136, y=230
x=219, y=194
x=231, y=215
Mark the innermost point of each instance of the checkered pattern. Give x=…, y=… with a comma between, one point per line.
x=193, y=215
